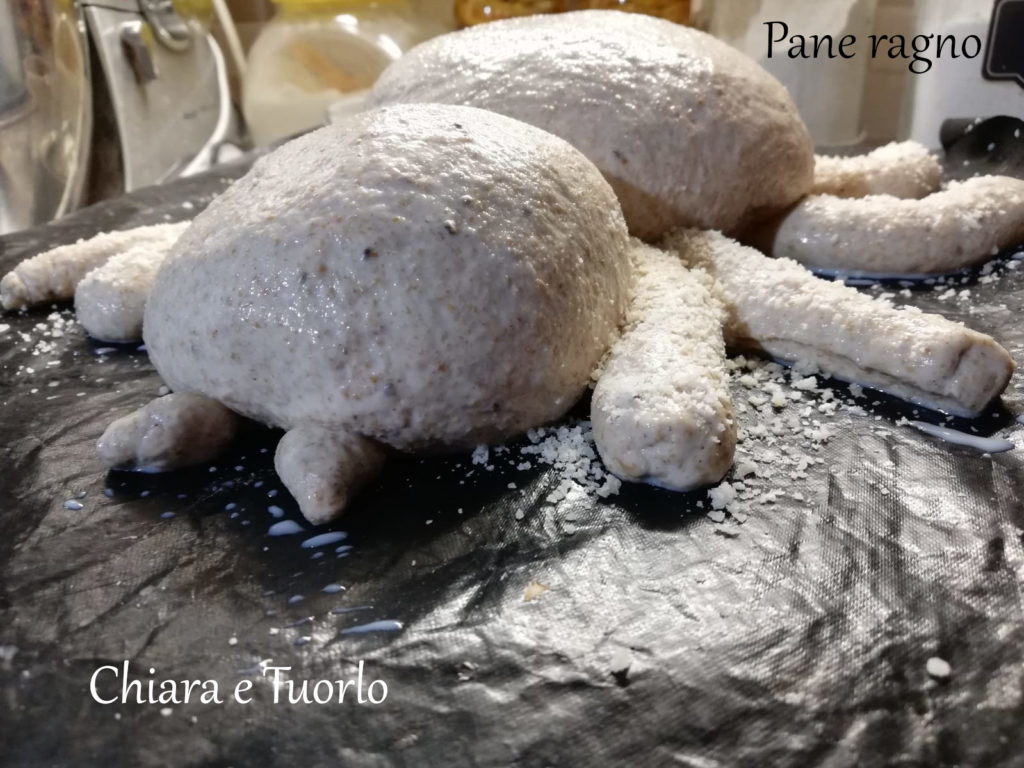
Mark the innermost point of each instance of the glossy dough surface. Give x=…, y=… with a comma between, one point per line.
x=423, y=275
x=779, y=307
x=661, y=408
x=178, y=430
x=110, y=301
x=687, y=130
x=902, y=169
x=53, y=275
x=964, y=224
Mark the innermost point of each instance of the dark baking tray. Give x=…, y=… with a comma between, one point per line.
x=799, y=637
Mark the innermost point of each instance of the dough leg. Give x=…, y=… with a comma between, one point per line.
x=906, y=169
x=178, y=430
x=54, y=274
x=964, y=224
x=661, y=409
x=777, y=306
x=323, y=468
x=111, y=300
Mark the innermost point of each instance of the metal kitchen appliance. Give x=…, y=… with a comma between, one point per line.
x=45, y=111
x=100, y=97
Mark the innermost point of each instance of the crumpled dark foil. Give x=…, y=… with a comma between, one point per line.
x=799, y=637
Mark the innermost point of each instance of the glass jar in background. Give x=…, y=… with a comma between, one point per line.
x=469, y=12
x=673, y=10
x=315, y=53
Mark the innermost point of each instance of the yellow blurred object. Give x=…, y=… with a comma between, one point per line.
x=673, y=10
x=201, y=10
x=470, y=12
x=334, y=5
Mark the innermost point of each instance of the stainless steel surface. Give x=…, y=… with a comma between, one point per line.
x=171, y=30
x=168, y=104
x=137, y=51
x=12, y=76
x=100, y=97
x=45, y=117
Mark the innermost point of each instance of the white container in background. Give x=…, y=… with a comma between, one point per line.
x=828, y=92
x=955, y=88
x=314, y=53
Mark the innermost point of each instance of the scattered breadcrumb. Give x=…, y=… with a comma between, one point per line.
x=569, y=449
x=781, y=404
x=722, y=495
x=938, y=668
x=620, y=662
x=480, y=455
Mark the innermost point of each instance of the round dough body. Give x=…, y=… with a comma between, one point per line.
x=424, y=275
x=688, y=131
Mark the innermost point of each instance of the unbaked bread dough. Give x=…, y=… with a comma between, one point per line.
x=428, y=276
x=964, y=224
x=779, y=307
x=661, y=409
x=689, y=131
x=110, y=301
x=181, y=429
x=902, y=169
x=323, y=468
x=53, y=275
x=423, y=276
